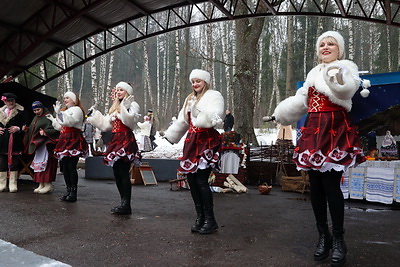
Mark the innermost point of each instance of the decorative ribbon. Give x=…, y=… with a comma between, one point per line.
x=10, y=148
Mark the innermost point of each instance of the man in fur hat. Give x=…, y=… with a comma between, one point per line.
x=12, y=118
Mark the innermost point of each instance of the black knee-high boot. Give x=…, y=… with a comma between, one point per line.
x=319, y=205
x=194, y=191
x=324, y=243
x=68, y=184
x=71, y=163
x=210, y=224
x=118, y=182
x=336, y=208
x=121, y=172
x=67, y=180
x=339, y=249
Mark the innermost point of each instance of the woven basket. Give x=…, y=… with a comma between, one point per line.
x=264, y=189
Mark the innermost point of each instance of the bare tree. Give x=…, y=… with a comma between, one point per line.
x=389, y=48
x=290, y=57
x=245, y=80
x=43, y=76
x=93, y=71
x=351, y=40
x=110, y=75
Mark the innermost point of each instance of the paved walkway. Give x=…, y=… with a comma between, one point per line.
x=255, y=230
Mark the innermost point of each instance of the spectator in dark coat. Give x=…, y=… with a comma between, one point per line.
x=228, y=121
x=12, y=118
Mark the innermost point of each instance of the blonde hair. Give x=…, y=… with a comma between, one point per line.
x=116, y=106
x=329, y=40
x=198, y=96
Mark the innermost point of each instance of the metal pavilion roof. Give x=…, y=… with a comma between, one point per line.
x=31, y=32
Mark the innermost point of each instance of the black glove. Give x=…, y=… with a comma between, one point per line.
x=268, y=118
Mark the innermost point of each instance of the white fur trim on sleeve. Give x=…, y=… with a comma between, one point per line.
x=291, y=109
x=178, y=128
x=100, y=121
x=54, y=122
x=350, y=83
x=72, y=117
x=129, y=117
x=210, y=107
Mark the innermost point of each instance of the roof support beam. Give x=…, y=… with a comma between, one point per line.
x=137, y=7
x=340, y=5
x=222, y=9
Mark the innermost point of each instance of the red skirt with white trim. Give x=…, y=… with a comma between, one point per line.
x=328, y=142
x=122, y=146
x=71, y=144
x=201, y=151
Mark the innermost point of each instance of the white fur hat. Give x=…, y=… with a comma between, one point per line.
x=339, y=39
x=126, y=87
x=200, y=74
x=71, y=95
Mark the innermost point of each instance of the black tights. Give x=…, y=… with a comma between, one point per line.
x=69, y=170
x=199, y=188
x=325, y=186
x=122, y=179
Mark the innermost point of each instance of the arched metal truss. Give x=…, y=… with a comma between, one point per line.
x=49, y=31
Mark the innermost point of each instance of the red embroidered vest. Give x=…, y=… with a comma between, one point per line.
x=118, y=126
x=318, y=102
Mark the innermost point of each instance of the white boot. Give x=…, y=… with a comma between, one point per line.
x=3, y=181
x=13, y=182
x=48, y=187
x=41, y=185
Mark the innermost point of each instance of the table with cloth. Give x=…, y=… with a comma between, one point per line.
x=375, y=181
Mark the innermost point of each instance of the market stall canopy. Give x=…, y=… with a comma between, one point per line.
x=31, y=30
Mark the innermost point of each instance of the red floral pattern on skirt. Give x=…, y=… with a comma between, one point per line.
x=201, y=148
x=71, y=144
x=328, y=141
x=122, y=145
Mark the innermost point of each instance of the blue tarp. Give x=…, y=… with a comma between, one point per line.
x=385, y=93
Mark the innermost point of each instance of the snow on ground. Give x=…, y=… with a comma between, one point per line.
x=166, y=150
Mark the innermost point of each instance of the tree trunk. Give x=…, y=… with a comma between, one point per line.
x=245, y=80
x=110, y=76
x=93, y=72
x=43, y=75
x=389, y=49
x=147, y=76
x=351, y=40
x=305, y=50
x=177, y=83
x=290, y=86
x=226, y=58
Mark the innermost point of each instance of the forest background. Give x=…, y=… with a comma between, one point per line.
x=255, y=63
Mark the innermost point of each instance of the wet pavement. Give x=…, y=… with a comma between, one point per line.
x=255, y=230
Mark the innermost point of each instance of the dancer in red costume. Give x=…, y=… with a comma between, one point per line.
x=122, y=150
x=71, y=145
x=201, y=112
x=329, y=143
